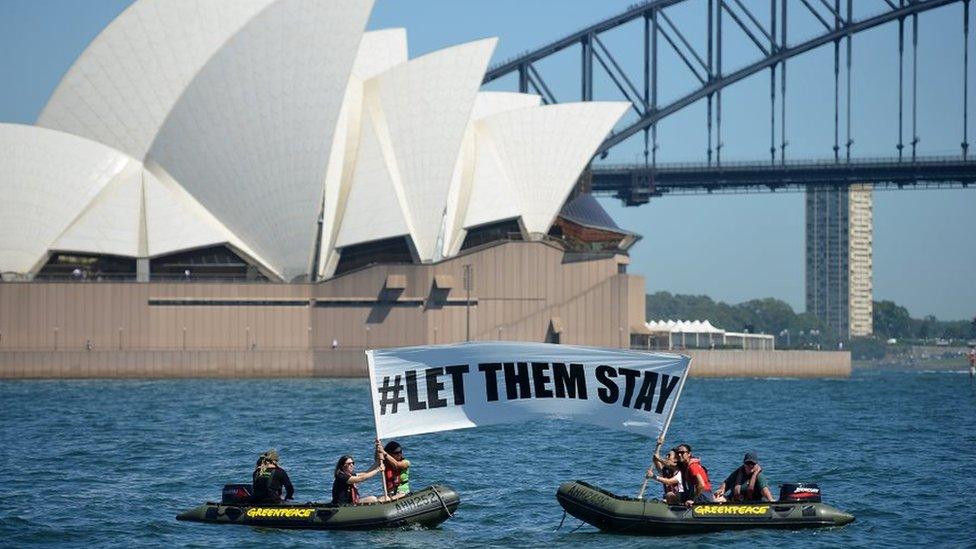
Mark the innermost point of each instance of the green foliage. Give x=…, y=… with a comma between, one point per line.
x=767, y=315
x=891, y=320
x=868, y=348
x=773, y=316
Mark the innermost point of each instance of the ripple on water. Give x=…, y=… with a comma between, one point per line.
x=112, y=462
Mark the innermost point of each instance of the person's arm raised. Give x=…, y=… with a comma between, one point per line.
x=368, y=474
x=399, y=464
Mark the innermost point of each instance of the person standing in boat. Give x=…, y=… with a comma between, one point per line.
x=670, y=477
x=345, y=480
x=694, y=477
x=746, y=483
x=397, y=475
x=269, y=478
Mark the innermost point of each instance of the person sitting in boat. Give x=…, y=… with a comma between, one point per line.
x=345, y=480
x=694, y=477
x=746, y=483
x=670, y=476
x=269, y=478
x=397, y=474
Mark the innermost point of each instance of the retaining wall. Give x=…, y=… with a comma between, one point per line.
x=80, y=364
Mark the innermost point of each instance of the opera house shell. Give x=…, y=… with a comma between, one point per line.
x=260, y=187
x=281, y=131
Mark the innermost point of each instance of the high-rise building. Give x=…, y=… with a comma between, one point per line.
x=838, y=258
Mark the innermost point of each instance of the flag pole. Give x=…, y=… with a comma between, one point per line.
x=371, y=370
x=667, y=424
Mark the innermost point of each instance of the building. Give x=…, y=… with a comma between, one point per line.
x=697, y=334
x=838, y=258
x=266, y=177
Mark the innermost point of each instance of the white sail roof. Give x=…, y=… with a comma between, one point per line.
x=253, y=123
x=375, y=209
x=493, y=196
x=460, y=198
x=250, y=136
x=543, y=150
x=426, y=104
x=47, y=179
x=378, y=51
x=175, y=221
x=124, y=85
x=111, y=223
x=492, y=102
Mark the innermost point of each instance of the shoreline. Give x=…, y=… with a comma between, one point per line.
x=350, y=363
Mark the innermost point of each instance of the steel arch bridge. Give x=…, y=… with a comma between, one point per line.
x=704, y=60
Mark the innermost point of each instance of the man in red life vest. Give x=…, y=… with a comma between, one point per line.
x=697, y=488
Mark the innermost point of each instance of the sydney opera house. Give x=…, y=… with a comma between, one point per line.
x=262, y=187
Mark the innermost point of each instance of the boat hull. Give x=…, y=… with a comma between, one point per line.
x=426, y=508
x=616, y=514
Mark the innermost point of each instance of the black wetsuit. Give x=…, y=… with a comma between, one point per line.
x=267, y=485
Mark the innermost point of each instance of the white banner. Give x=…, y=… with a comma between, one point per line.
x=438, y=388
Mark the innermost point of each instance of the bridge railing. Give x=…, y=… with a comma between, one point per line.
x=823, y=162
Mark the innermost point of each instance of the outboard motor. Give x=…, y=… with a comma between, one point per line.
x=799, y=491
x=236, y=494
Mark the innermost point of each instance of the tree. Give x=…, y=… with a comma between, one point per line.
x=891, y=320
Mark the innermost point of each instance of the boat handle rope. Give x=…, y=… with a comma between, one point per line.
x=561, y=521
x=438, y=494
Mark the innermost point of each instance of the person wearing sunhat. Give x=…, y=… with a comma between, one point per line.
x=269, y=478
x=746, y=483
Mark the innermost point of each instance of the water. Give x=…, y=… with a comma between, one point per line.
x=112, y=462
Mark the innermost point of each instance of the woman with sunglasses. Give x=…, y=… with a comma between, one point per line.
x=670, y=477
x=345, y=480
x=397, y=474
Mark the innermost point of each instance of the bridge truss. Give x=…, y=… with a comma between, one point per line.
x=704, y=59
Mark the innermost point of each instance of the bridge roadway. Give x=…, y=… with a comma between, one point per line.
x=635, y=184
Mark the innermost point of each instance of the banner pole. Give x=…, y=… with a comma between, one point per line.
x=371, y=370
x=667, y=424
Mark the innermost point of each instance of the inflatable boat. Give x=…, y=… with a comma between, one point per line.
x=800, y=508
x=426, y=508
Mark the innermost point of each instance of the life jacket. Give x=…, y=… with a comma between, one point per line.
x=263, y=485
x=397, y=480
x=688, y=476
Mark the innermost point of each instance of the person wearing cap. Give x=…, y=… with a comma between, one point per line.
x=746, y=483
x=269, y=478
x=397, y=475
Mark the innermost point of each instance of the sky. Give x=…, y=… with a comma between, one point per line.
x=731, y=247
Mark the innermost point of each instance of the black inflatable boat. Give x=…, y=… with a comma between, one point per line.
x=623, y=515
x=426, y=508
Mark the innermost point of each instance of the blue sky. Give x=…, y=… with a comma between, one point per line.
x=732, y=247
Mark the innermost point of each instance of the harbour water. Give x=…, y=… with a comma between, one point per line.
x=112, y=462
